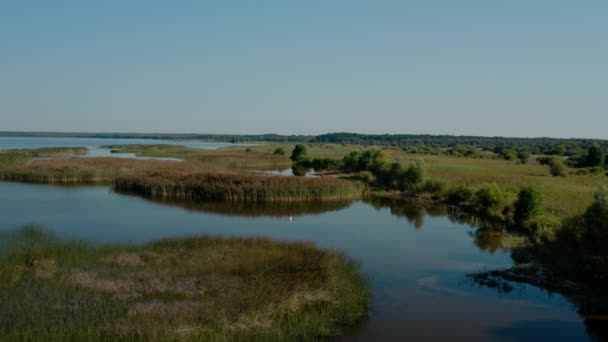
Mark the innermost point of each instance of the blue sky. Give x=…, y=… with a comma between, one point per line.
x=510, y=68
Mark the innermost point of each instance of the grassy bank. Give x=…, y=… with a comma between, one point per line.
x=197, y=288
x=234, y=158
x=79, y=170
x=22, y=156
x=236, y=187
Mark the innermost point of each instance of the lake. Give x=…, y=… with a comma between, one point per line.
x=94, y=144
x=416, y=259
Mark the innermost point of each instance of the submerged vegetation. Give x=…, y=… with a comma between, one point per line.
x=196, y=288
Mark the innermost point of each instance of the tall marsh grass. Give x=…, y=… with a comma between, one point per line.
x=192, y=289
x=236, y=187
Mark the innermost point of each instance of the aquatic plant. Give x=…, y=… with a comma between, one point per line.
x=196, y=288
x=236, y=187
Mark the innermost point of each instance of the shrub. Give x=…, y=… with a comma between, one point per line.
x=298, y=153
x=324, y=164
x=556, y=165
x=460, y=195
x=367, y=160
x=491, y=200
x=395, y=177
x=527, y=205
x=596, y=219
x=415, y=174
x=279, y=152
x=434, y=187
x=509, y=155
x=523, y=157
x=595, y=155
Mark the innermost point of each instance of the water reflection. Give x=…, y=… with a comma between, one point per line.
x=489, y=239
x=414, y=211
x=253, y=209
x=417, y=275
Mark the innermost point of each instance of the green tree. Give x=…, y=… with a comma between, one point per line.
x=279, y=152
x=509, y=155
x=491, y=200
x=595, y=155
x=557, y=167
x=523, y=157
x=298, y=153
x=414, y=175
x=527, y=205
x=596, y=219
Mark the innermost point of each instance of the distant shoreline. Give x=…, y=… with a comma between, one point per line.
x=342, y=137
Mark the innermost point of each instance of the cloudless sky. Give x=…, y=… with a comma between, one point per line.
x=485, y=67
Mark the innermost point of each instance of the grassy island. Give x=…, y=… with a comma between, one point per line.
x=237, y=187
x=197, y=288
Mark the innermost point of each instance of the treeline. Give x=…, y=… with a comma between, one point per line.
x=231, y=138
x=465, y=145
x=549, y=146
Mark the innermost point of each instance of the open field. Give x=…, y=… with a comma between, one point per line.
x=196, y=288
x=564, y=196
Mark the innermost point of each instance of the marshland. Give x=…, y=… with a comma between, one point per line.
x=412, y=227
x=195, y=288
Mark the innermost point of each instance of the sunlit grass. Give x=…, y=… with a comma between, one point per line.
x=197, y=288
x=236, y=187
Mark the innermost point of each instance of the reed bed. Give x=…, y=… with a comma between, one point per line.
x=81, y=170
x=190, y=289
x=236, y=187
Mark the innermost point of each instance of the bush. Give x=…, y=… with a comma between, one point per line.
x=434, y=187
x=415, y=174
x=523, y=157
x=298, y=153
x=396, y=178
x=509, y=155
x=357, y=161
x=596, y=219
x=491, y=200
x=324, y=164
x=595, y=156
x=460, y=195
x=556, y=165
x=527, y=205
x=279, y=152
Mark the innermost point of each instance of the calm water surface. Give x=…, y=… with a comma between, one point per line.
x=94, y=144
x=416, y=262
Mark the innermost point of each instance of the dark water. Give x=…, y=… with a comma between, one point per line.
x=94, y=144
x=416, y=260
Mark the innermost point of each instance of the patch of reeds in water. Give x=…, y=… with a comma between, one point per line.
x=236, y=187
